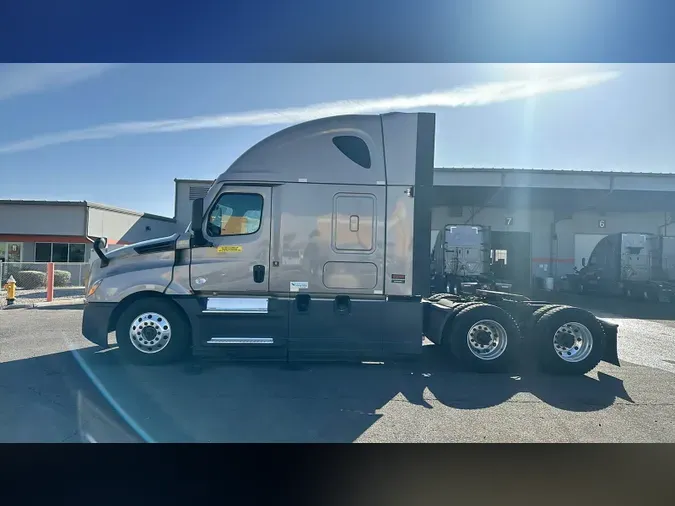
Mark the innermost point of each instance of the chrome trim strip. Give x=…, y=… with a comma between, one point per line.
x=241, y=340
x=246, y=305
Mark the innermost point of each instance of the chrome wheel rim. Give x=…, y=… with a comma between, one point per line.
x=573, y=342
x=150, y=332
x=487, y=339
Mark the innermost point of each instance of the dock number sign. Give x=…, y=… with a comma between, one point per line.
x=508, y=221
x=602, y=223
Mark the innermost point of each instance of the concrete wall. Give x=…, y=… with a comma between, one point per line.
x=42, y=219
x=127, y=227
x=183, y=204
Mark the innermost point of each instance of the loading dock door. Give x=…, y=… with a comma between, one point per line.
x=514, y=248
x=583, y=246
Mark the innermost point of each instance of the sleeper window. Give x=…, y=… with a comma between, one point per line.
x=235, y=214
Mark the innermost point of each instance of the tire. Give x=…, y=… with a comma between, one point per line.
x=467, y=332
x=440, y=295
x=578, y=359
x=447, y=326
x=172, y=344
x=536, y=316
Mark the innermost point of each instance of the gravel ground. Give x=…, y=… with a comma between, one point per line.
x=50, y=379
x=36, y=295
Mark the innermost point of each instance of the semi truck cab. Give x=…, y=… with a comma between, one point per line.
x=635, y=265
x=292, y=252
x=314, y=245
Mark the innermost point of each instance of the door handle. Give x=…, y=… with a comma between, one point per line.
x=258, y=273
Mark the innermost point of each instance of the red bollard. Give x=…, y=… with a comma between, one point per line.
x=50, y=281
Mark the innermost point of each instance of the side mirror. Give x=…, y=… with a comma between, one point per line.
x=99, y=244
x=583, y=262
x=197, y=214
x=196, y=224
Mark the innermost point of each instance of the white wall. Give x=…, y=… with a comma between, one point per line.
x=42, y=219
x=183, y=205
x=126, y=227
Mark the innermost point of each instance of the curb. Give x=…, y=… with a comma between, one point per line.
x=74, y=304
x=16, y=306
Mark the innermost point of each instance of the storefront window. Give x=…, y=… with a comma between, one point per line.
x=59, y=252
x=43, y=252
x=3, y=252
x=76, y=252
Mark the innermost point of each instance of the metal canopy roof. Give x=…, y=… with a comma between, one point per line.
x=559, y=199
x=567, y=179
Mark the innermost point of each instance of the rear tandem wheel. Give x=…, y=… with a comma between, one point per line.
x=569, y=341
x=483, y=337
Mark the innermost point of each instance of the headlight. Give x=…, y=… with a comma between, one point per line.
x=93, y=288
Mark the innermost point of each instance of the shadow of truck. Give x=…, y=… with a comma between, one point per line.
x=216, y=402
x=92, y=395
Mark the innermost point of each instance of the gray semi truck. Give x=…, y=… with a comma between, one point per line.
x=314, y=245
x=628, y=264
x=461, y=261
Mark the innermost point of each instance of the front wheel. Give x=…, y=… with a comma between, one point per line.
x=152, y=331
x=569, y=341
x=485, y=338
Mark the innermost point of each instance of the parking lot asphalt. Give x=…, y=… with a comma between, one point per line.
x=55, y=386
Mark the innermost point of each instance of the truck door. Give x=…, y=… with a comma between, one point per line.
x=231, y=276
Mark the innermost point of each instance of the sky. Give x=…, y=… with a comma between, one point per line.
x=119, y=134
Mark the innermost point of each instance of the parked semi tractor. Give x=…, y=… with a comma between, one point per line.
x=461, y=261
x=349, y=199
x=629, y=264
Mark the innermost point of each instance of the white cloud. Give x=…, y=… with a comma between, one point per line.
x=24, y=78
x=477, y=95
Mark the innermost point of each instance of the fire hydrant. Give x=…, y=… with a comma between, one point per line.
x=10, y=286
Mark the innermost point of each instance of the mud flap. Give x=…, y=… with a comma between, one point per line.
x=611, y=354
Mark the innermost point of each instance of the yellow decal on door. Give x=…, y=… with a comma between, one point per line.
x=230, y=249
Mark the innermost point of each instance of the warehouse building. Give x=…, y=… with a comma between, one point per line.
x=186, y=191
x=543, y=222
x=62, y=231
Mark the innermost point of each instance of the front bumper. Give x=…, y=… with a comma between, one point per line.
x=95, y=322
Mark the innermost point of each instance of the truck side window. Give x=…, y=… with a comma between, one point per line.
x=353, y=148
x=235, y=214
